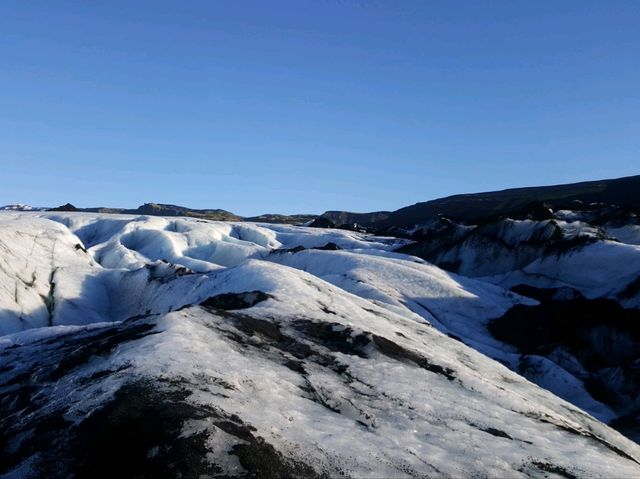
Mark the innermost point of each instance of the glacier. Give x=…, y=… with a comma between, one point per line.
x=146, y=346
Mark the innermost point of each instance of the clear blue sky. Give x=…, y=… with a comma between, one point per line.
x=304, y=106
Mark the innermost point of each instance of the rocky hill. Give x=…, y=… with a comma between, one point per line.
x=623, y=192
x=157, y=209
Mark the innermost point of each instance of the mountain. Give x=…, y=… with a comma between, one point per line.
x=173, y=210
x=473, y=208
x=274, y=218
x=178, y=347
x=623, y=192
x=347, y=219
x=157, y=209
x=335, y=219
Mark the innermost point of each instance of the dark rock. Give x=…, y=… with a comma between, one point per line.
x=330, y=246
x=599, y=333
x=496, y=432
x=321, y=222
x=231, y=301
x=536, y=210
x=395, y=351
x=293, y=250
x=590, y=329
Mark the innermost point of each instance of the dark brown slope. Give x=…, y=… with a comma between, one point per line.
x=620, y=191
x=470, y=207
x=339, y=218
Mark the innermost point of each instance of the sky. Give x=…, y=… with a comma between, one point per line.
x=306, y=106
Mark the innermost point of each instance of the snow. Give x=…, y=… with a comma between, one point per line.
x=19, y=207
x=569, y=215
x=413, y=429
x=131, y=267
x=44, y=262
x=596, y=261
x=453, y=303
x=120, y=250
x=387, y=418
x=601, y=269
x=391, y=395
x=629, y=234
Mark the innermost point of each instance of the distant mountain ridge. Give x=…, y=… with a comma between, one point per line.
x=464, y=208
x=159, y=209
x=624, y=192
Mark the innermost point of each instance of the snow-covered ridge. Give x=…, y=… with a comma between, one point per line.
x=583, y=341
x=20, y=207
x=68, y=268
x=265, y=349
x=596, y=253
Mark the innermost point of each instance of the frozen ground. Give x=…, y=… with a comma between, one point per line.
x=267, y=350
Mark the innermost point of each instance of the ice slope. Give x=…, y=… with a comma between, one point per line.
x=92, y=268
x=48, y=278
x=602, y=269
x=458, y=306
x=629, y=234
x=599, y=259
x=77, y=268
x=339, y=367
x=582, y=341
x=312, y=379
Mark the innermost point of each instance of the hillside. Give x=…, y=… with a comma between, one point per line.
x=476, y=206
x=157, y=209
